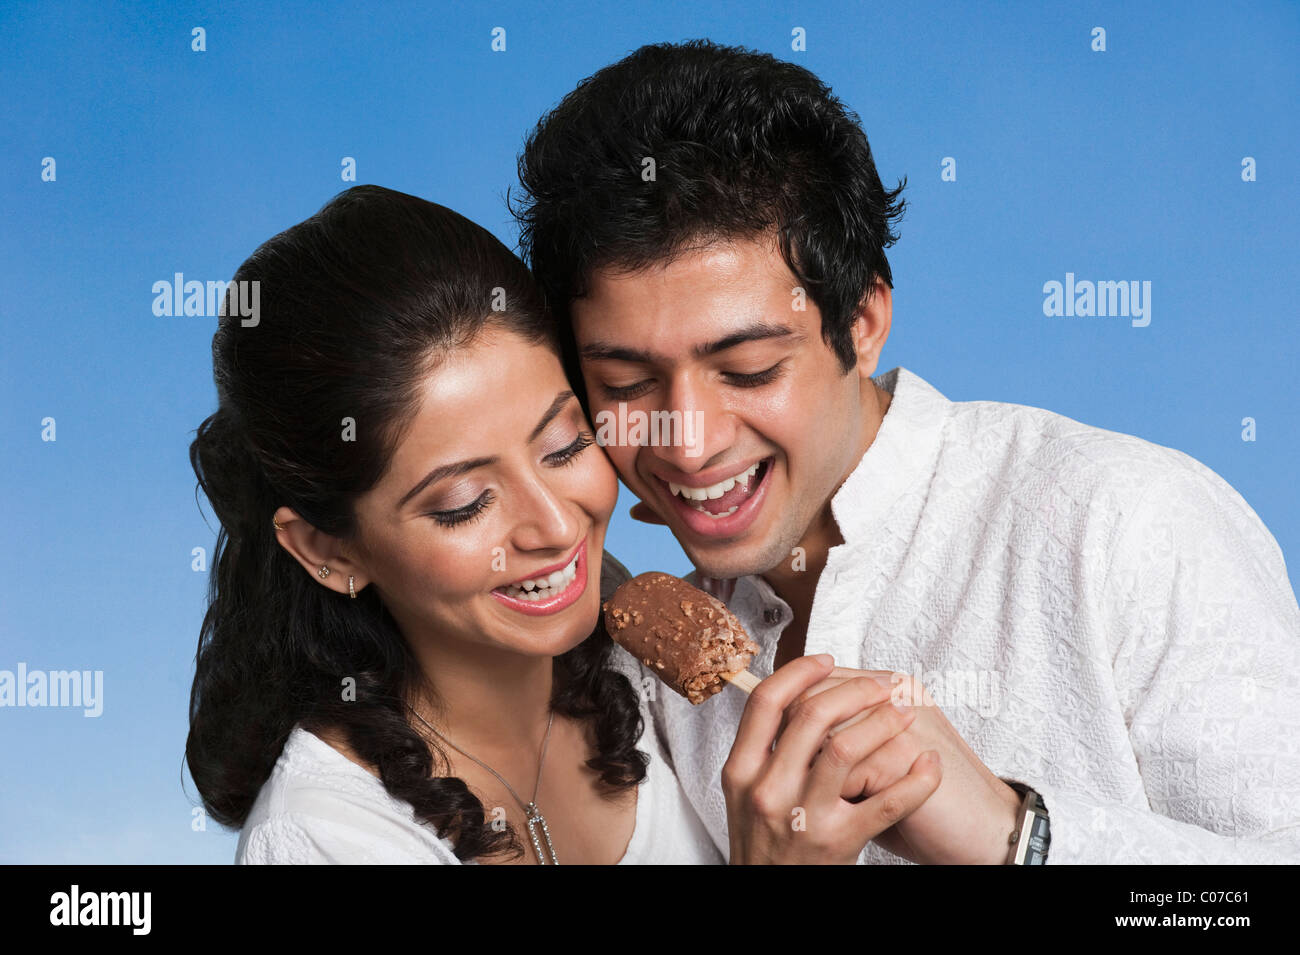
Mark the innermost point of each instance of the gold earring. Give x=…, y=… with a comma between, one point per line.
x=351, y=592
x=323, y=572
x=278, y=525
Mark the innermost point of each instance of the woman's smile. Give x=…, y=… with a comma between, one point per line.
x=550, y=589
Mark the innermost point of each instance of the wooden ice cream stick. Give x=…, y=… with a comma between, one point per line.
x=744, y=680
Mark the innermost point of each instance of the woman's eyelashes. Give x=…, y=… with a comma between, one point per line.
x=739, y=379
x=462, y=514
x=568, y=453
x=470, y=512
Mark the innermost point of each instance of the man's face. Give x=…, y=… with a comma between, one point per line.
x=717, y=332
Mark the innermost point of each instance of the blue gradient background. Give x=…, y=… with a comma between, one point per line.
x=1115, y=165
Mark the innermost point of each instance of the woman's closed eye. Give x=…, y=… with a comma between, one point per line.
x=461, y=515
x=565, y=456
x=569, y=452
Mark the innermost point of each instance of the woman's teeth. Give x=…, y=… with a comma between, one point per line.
x=544, y=587
x=714, y=491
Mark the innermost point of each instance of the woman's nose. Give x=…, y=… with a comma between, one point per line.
x=544, y=519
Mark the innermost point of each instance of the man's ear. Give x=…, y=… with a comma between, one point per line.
x=314, y=549
x=643, y=512
x=871, y=324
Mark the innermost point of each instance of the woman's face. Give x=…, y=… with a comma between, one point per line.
x=488, y=526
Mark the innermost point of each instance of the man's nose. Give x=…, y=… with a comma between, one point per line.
x=701, y=427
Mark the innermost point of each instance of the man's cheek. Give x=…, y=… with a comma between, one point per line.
x=624, y=461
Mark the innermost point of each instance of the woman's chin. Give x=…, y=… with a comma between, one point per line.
x=551, y=635
x=578, y=629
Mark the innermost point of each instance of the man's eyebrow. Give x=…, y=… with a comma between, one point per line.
x=757, y=331
x=464, y=467
x=750, y=333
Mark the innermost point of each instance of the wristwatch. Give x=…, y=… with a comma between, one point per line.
x=1031, y=838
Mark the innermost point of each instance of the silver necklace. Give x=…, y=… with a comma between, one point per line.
x=532, y=814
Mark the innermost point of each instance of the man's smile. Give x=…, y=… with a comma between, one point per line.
x=722, y=504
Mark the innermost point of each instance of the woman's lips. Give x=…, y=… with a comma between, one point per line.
x=556, y=603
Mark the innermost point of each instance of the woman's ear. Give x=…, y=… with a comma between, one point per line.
x=315, y=549
x=871, y=323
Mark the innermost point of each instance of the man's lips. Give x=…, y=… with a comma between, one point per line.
x=743, y=503
x=704, y=478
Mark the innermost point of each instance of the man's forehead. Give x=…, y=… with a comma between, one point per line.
x=691, y=303
x=712, y=258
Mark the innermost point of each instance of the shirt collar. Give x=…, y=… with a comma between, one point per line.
x=902, y=455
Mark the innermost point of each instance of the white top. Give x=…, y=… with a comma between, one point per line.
x=320, y=807
x=1101, y=618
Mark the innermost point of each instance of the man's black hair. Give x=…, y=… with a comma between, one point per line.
x=742, y=143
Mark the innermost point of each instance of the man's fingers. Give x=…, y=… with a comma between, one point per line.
x=810, y=721
x=763, y=712
x=895, y=802
x=888, y=764
x=844, y=750
x=838, y=676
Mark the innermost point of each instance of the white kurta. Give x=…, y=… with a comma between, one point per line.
x=1101, y=618
x=319, y=807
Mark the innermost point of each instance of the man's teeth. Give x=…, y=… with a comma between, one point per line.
x=544, y=587
x=727, y=513
x=714, y=491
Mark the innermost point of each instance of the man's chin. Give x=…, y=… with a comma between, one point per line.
x=728, y=566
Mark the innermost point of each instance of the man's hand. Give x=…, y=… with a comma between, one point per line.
x=968, y=820
x=784, y=805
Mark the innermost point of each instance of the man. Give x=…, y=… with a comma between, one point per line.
x=1097, y=619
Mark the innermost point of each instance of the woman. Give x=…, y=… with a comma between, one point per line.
x=401, y=660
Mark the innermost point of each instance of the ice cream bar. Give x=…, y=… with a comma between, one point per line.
x=689, y=638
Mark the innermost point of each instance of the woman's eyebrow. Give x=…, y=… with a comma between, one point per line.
x=444, y=471
x=463, y=467
x=560, y=401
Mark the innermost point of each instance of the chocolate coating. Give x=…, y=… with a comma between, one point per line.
x=689, y=638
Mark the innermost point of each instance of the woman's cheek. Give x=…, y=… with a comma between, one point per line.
x=602, y=483
x=462, y=565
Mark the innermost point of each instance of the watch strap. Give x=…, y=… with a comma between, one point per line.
x=1030, y=840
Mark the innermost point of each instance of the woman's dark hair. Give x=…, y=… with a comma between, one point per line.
x=742, y=143
x=356, y=305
